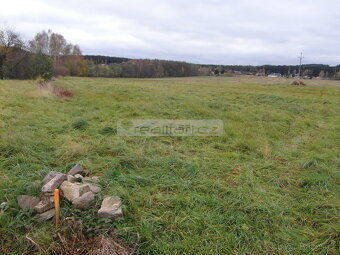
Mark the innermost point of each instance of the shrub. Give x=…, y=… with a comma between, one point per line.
x=41, y=81
x=298, y=83
x=42, y=66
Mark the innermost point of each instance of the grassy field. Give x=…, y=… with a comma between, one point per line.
x=269, y=185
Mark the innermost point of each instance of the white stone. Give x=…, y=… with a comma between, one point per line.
x=72, y=191
x=3, y=206
x=78, y=177
x=111, y=208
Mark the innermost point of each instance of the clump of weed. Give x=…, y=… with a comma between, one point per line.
x=41, y=81
x=62, y=92
x=298, y=83
x=311, y=162
x=108, y=131
x=80, y=124
x=316, y=181
x=49, y=87
x=74, y=149
x=112, y=174
x=130, y=162
x=265, y=150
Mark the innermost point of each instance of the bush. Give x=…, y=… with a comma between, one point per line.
x=298, y=83
x=41, y=81
x=42, y=66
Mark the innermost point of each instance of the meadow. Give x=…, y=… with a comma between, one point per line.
x=268, y=185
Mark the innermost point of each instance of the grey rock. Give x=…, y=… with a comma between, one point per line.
x=54, y=183
x=43, y=206
x=77, y=169
x=84, y=201
x=87, y=179
x=46, y=215
x=47, y=197
x=94, y=188
x=27, y=202
x=72, y=191
x=111, y=208
x=93, y=179
x=78, y=177
x=50, y=176
x=71, y=178
x=3, y=206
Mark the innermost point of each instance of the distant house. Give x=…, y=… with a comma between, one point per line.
x=275, y=75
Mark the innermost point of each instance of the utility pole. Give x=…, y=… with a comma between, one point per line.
x=301, y=57
x=335, y=72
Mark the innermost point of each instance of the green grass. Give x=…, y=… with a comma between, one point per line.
x=269, y=185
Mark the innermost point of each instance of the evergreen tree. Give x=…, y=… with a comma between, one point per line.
x=42, y=66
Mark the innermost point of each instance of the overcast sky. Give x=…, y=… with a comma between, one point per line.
x=210, y=31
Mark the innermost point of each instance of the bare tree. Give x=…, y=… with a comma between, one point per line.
x=12, y=50
x=53, y=44
x=76, y=50
x=57, y=45
x=67, y=49
x=41, y=42
x=10, y=38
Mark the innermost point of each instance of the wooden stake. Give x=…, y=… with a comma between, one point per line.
x=56, y=206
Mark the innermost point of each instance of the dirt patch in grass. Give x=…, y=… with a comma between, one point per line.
x=71, y=240
x=47, y=87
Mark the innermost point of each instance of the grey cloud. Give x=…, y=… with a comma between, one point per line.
x=216, y=31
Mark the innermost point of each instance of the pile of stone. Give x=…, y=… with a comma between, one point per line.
x=76, y=187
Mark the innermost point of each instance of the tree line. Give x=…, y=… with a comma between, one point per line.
x=162, y=68
x=49, y=54
x=143, y=68
x=45, y=55
x=310, y=70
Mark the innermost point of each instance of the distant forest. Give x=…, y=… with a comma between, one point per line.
x=104, y=66
x=99, y=59
x=48, y=54
x=312, y=70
